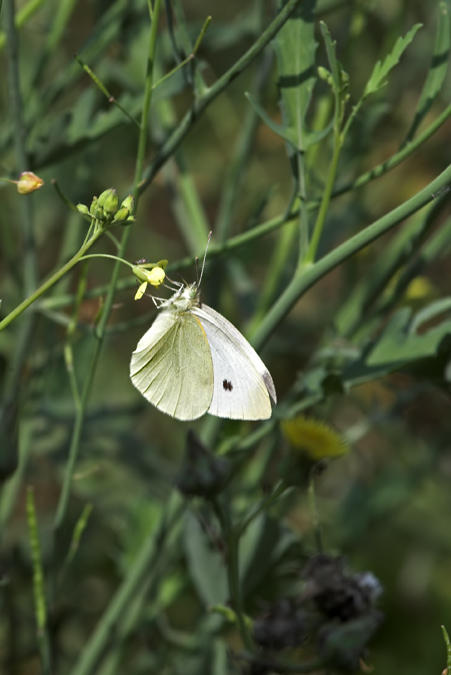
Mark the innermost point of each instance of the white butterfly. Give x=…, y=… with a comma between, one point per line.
x=192, y=361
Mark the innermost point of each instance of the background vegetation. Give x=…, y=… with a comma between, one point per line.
x=312, y=139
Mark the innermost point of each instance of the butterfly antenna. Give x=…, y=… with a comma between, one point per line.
x=199, y=278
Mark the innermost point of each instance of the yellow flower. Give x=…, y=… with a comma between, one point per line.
x=154, y=276
x=314, y=438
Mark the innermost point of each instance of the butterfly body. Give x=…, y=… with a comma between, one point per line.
x=192, y=361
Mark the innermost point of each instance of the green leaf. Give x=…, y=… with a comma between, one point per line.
x=295, y=47
x=399, y=345
x=448, y=648
x=287, y=133
x=437, y=71
x=205, y=563
x=380, y=72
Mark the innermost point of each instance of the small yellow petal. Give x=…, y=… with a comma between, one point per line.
x=141, y=290
x=156, y=276
x=314, y=438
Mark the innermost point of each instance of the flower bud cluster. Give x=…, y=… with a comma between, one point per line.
x=106, y=210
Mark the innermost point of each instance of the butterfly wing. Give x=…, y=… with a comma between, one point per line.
x=242, y=383
x=172, y=367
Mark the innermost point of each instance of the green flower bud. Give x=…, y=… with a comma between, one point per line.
x=83, y=209
x=325, y=75
x=96, y=210
x=109, y=201
x=121, y=215
x=129, y=203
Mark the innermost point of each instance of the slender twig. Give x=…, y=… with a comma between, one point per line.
x=397, y=158
x=309, y=276
x=263, y=505
x=99, y=84
x=199, y=106
x=51, y=281
x=38, y=585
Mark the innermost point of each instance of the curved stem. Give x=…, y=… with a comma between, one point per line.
x=322, y=213
x=397, y=158
x=50, y=282
x=107, y=255
x=306, y=277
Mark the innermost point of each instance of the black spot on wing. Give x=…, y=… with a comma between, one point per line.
x=227, y=385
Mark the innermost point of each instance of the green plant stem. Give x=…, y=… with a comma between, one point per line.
x=137, y=575
x=261, y=506
x=50, y=282
x=397, y=158
x=22, y=17
x=106, y=311
x=11, y=385
x=214, y=251
x=147, y=97
x=276, y=223
x=233, y=571
x=38, y=585
x=306, y=277
x=198, y=107
x=314, y=514
x=111, y=257
x=322, y=213
x=234, y=176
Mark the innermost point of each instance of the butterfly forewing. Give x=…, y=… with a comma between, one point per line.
x=172, y=366
x=242, y=383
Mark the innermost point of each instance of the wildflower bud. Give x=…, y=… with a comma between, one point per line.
x=128, y=203
x=83, y=209
x=202, y=474
x=314, y=438
x=96, y=210
x=109, y=201
x=122, y=216
x=324, y=74
x=28, y=182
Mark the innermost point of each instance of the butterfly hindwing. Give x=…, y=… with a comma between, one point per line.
x=172, y=366
x=242, y=383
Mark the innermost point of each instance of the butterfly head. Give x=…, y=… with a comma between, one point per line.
x=184, y=299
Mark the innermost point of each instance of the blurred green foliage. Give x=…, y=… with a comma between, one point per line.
x=320, y=161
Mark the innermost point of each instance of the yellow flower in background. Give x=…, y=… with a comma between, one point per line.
x=316, y=439
x=421, y=288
